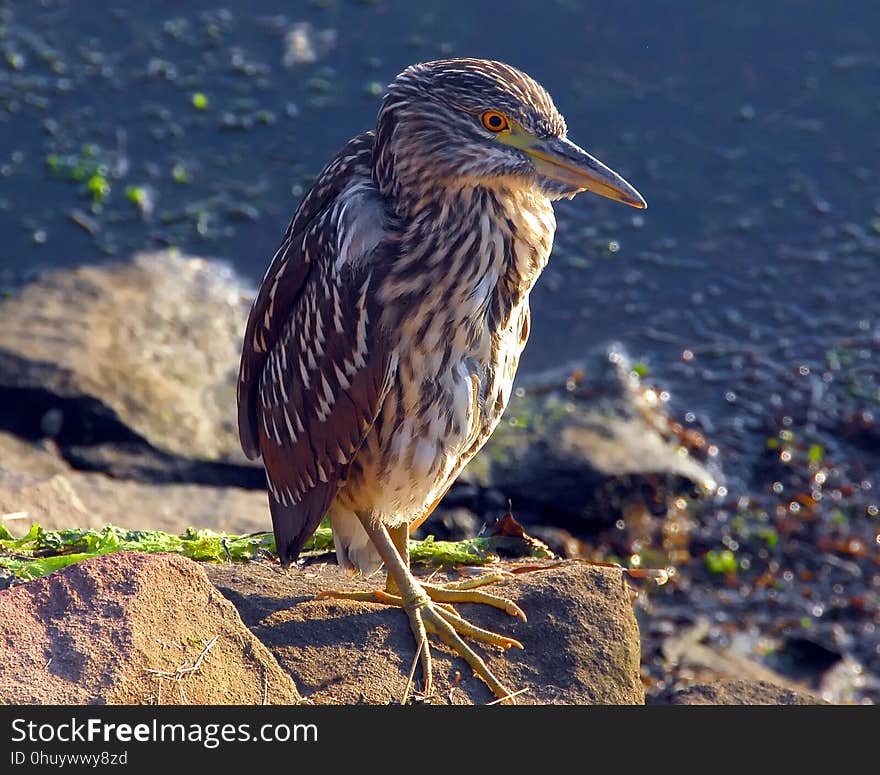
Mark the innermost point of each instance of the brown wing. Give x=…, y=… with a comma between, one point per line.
x=284, y=280
x=315, y=368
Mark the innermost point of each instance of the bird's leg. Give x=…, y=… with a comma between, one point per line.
x=399, y=535
x=464, y=591
x=457, y=591
x=425, y=614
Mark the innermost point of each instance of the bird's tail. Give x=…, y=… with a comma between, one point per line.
x=294, y=525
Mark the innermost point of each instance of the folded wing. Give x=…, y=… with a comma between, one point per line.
x=315, y=367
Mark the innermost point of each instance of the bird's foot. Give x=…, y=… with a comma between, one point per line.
x=430, y=611
x=465, y=591
x=429, y=615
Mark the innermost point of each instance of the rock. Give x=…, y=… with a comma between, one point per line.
x=454, y=524
x=581, y=640
x=581, y=456
x=142, y=351
x=95, y=632
x=796, y=665
x=685, y=652
x=43, y=488
x=130, y=369
x=741, y=692
x=20, y=455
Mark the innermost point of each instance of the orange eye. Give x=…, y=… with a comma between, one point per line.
x=495, y=121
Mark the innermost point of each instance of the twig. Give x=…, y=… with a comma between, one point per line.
x=507, y=697
x=177, y=675
x=412, y=672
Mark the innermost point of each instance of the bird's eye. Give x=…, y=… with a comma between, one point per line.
x=495, y=121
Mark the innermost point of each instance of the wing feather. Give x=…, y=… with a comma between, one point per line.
x=285, y=278
x=315, y=366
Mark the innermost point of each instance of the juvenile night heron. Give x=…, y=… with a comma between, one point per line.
x=382, y=346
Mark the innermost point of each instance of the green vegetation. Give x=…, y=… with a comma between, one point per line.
x=721, y=562
x=640, y=369
x=43, y=551
x=98, y=187
x=136, y=194
x=815, y=454
x=179, y=174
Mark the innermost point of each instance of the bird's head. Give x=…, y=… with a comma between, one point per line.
x=475, y=121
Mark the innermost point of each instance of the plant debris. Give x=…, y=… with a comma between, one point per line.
x=44, y=551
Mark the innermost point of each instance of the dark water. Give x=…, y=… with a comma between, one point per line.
x=750, y=288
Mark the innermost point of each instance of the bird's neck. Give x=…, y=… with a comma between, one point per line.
x=475, y=242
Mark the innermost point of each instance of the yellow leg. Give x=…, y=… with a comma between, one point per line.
x=428, y=609
x=451, y=592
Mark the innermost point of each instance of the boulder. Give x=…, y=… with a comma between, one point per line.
x=37, y=485
x=741, y=692
x=132, y=628
x=142, y=351
x=581, y=639
x=580, y=446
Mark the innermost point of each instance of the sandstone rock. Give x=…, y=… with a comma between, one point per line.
x=37, y=485
x=93, y=633
x=581, y=640
x=144, y=350
x=796, y=665
x=132, y=369
x=19, y=455
x=741, y=692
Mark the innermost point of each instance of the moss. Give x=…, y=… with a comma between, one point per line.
x=43, y=551
x=136, y=195
x=179, y=174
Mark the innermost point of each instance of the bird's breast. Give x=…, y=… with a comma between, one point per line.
x=457, y=312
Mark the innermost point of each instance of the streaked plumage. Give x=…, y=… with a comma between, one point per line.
x=382, y=346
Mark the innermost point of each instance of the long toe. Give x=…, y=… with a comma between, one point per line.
x=447, y=627
x=447, y=593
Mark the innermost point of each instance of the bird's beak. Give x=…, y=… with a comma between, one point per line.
x=560, y=159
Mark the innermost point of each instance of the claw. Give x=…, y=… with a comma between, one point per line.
x=429, y=606
x=430, y=610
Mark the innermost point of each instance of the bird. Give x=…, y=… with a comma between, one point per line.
x=381, y=348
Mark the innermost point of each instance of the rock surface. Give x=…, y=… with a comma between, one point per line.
x=741, y=692
x=685, y=652
x=143, y=350
x=37, y=485
x=131, y=369
x=136, y=628
x=93, y=633
x=581, y=639
x=96, y=631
